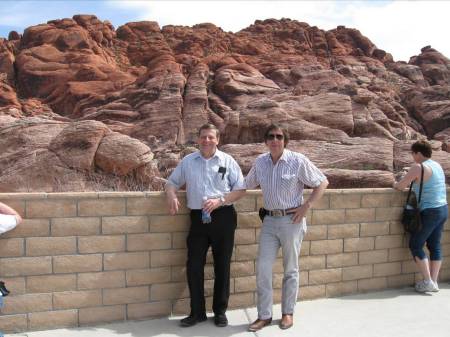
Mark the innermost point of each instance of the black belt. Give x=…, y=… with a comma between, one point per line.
x=217, y=209
x=280, y=212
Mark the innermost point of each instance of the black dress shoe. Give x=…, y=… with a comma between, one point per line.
x=191, y=320
x=220, y=320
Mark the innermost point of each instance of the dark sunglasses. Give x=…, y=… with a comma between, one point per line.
x=271, y=136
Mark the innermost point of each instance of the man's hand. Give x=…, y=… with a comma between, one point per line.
x=317, y=193
x=211, y=204
x=174, y=205
x=172, y=201
x=300, y=213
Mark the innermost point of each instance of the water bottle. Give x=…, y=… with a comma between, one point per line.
x=206, y=217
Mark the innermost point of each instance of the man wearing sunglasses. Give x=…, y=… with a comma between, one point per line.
x=282, y=175
x=212, y=175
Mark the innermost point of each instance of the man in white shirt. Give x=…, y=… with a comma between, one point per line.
x=282, y=175
x=211, y=174
x=9, y=218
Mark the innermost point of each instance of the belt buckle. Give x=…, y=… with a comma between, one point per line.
x=277, y=212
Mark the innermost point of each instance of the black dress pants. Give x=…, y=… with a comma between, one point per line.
x=219, y=234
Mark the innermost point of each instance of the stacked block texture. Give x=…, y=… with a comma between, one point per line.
x=89, y=258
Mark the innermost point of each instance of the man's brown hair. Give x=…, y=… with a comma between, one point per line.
x=273, y=127
x=209, y=126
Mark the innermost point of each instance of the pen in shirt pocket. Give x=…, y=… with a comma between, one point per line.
x=222, y=170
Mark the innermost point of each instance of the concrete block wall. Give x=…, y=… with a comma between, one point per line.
x=90, y=258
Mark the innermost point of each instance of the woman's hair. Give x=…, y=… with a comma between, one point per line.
x=423, y=147
x=277, y=127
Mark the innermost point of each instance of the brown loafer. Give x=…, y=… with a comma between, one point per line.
x=259, y=324
x=286, y=321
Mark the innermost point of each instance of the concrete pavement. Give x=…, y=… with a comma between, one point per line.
x=389, y=313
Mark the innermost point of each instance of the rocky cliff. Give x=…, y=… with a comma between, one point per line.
x=84, y=106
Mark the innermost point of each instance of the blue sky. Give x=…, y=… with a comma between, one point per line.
x=17, y=15
x=399, y=27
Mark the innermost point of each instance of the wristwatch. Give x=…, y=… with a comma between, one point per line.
x=222, y=201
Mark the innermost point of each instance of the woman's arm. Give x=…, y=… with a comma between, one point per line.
x=413, y=173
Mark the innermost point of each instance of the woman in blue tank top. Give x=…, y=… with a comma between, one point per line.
x=433, y=213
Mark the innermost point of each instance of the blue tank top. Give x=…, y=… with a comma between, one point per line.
x=434, y=192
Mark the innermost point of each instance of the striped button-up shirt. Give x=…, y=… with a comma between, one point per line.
x=210, y=178
x=282, y=183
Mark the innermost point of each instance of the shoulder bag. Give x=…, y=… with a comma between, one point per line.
x=411, y=213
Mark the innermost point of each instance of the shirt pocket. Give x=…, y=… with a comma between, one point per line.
x=221, y=178
x=288, y=181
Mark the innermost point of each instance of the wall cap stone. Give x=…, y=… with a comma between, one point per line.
x=150, y=194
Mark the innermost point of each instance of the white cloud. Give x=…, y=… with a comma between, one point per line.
x=404, y=27
x=399, y=27
x=229, y=15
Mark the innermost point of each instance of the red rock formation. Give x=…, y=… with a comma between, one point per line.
x=68, y=65
x=46, y=155
x=119, y=108
x=444, y=137
x=371, y=155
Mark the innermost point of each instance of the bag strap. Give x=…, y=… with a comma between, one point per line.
x=420, y=190
x=421, y=184
x=409, y=193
